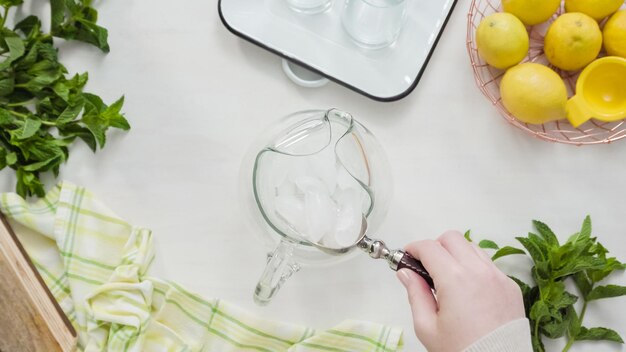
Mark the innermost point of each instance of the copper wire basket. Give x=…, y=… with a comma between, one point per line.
x=488, y=79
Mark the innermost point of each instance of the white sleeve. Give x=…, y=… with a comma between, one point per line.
x=510, y=337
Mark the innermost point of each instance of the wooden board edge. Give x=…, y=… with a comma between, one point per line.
x=35, y=272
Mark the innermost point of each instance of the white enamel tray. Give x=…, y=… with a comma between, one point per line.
x=319, y=43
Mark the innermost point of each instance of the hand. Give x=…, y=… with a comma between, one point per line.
x=473, y=296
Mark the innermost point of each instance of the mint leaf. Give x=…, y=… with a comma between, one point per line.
x=585, y=231
x=119, y=121
x=113, y=116
x=10, y=158
x=5, y=117
x=488, y=244
x=607, y=291
x=6, y=86
x=57, y=14
x=30, y=26
x=539, y=311
x=536, y=247
x=28, y=184
x=39, y=148
x=546, y=233
x=93, y=34
x=96, y=126
x=467, y=236
x=584, y=263
x=93, y=104
x=70, y=114
x=43, y=165
x=582, y=282
x=62, y=90
x=574, y=322
x=508, y=250
x=31, y=126
x=556, y=328
x=16, y=49
x=609, y=267
x=596, y=334
x=582, y=240
x=113, y=109
x=565, y=299
x=74, y=130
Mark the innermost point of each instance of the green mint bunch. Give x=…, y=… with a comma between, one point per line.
x=42, y=109
x=549, y=305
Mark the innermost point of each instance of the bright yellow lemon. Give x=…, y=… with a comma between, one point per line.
x=533, y=93
x=596, y=9
x=531, y=12
x=502, y=40
x=614, y=34
x=573, y=41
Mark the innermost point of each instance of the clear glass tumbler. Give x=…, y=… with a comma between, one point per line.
x=309, y=6
x=374, y=24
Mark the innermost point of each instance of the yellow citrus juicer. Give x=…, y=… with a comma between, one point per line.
x=600, y=92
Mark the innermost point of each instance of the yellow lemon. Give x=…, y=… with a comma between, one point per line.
x=573, y=41
x=502, y=40
x=533, y=93
x=596, y=9
x=531, y=12
x=615, y=34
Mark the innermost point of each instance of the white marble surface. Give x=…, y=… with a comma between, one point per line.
x=196, y=95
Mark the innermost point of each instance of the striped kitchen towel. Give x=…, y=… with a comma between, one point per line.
x=96, y=266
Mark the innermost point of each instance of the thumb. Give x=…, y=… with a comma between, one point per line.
x=421, y=299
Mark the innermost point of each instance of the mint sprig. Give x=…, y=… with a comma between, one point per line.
x=42, y=109
x=549, y=305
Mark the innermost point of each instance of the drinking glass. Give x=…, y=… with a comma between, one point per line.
x=374, y=24
x=309, y=6
x=292, y=177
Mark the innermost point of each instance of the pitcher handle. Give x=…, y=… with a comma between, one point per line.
x=280, y=266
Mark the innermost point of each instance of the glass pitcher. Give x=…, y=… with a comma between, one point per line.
x=311, y=178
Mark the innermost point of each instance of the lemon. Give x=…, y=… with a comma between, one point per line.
x=596, y=9
x=502, y=40
x=531, y=12
x=615, y=34
x=573, y=41
x=533, y=93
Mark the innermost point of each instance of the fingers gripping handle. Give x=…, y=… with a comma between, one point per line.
x=408, y=262
x=397, y=259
